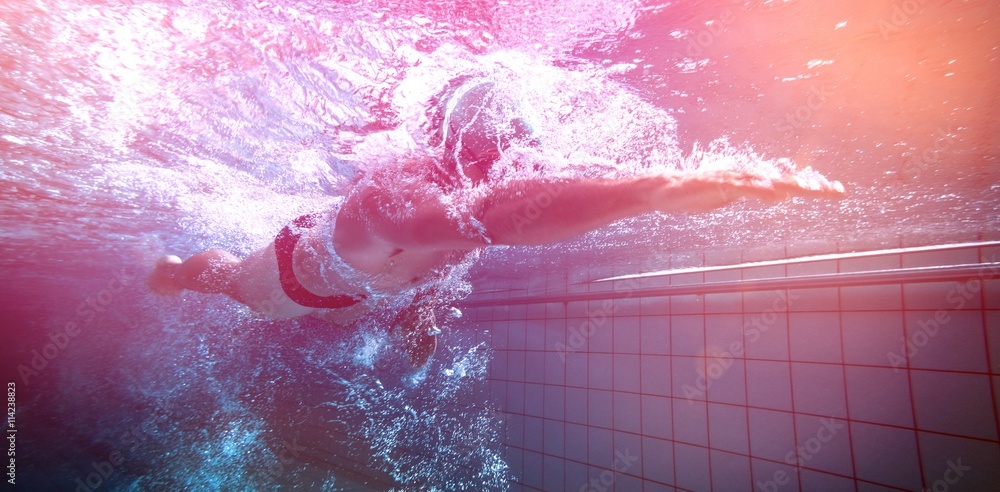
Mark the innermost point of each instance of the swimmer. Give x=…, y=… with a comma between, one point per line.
x=390, y=236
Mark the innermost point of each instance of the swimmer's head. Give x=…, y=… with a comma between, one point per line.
x=473, y=130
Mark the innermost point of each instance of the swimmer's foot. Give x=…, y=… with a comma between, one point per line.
x=162, y=281
x=420, y=347
x=416, y=324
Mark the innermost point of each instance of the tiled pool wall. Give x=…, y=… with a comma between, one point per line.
x=868, y=387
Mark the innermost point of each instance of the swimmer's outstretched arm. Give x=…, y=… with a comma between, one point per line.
x=542, y=211
x=546, y=211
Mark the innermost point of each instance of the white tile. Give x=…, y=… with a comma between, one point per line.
x=554, y=438
x=723, y=334
x=515, y=335
x=515, y=459
x=772, y=434
x=727, y=428
x=766, y=335
x=724, y=302
x=655, y=305
x=534, y=402
x=515, y=365
x=815, y=337
x=515, y=430
x=628, y=454
x=626, y=334
x=726, y=380
x=811, y=300
x=812, y=268
x=554, y=473
x=534, y=334
x=689, y=382
x=601, y=334
x=627, y=483
x=824, y=444
x=730, y=472
x=576, y=476
x=576, y=369
x=871, y=297
x=871, y=338
x=602, y=447
x=534, y=367
x=687, y=304
x=578, y=335
x=599, y=408
x=626, y=373
x=657, y=416
x=886, y=455
x=629, y=306
x=881, y=395
x=498, y=335
x=946, y=340
x=576, y=442
x=769, y=385
x=498, y=365
x=555, y=402
x=939, y=295
x=993, y=334
x=600, y=369
x=515, y=397
x=533, y=434
x=944, y=456
x=954, y=403
x=498, y=393
x=556, y=310
x=654, y=335
x=655, y=374
x=772, y=477
x=819, y=389
x=658, y=460
x=687, y=333
x=627, y=414
x=690, y=422
x=576, y=405
x=693, y=471
x=555, y=333
x=533, y=469
x=555, y=368
x=819, y=481
x=577, y=309
x=991, y=293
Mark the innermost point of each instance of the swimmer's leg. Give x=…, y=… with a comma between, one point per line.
x=211, y=272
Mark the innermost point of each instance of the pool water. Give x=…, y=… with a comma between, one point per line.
x=132, y=131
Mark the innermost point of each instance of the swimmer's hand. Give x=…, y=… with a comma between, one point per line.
x=703, y=191
x=161, y=281
x=418, y=327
